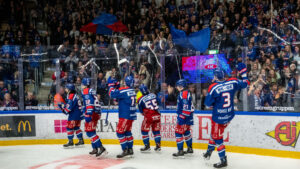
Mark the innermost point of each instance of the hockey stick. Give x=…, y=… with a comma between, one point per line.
x=35, y=54
x=148, y=44
x=268, y=30
x=118, y=57
x=295, y=28
x=178, y=69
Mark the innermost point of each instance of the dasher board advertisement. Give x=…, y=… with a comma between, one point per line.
x=17, y=126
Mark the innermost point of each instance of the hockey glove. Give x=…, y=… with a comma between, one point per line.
x=242, y=69
x=60, y=106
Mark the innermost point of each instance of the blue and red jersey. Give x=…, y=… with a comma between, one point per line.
x=126, y=97
x=185, y=107
x=149, y=102
x=73, y=107
x=90, y=102
x=221, y=97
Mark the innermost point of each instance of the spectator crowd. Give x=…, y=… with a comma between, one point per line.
x=272, y=57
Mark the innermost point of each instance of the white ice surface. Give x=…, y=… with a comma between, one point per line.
x=55, y=157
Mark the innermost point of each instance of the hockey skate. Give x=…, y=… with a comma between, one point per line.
x=70, y=144
x=94, y=151
x=157, y=148
x=146, y=148
x=80, y=143
x=123, y=154
x=130, y=152
x=221, y=164
x=102, y=151
x=189, y=151
x=207, y=155
x=179, y=154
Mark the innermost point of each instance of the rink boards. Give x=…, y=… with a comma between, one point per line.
x=263, y=133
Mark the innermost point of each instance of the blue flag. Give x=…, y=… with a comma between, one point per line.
x=105, y=19
x=179, y=37
x=198, y=41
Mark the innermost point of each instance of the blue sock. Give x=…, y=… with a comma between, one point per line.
x=179, y=141
x=145, y=136
x=78, y=132
x=129, y=139
x=157, y=137
x=123, y=141
x=95, y=140
x=211, y=145
x=188, y=138
x=220, y=148
x=70, y=134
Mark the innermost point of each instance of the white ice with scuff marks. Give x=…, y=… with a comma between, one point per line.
x=22, y=157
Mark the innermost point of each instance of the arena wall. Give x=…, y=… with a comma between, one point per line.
x=263, y=133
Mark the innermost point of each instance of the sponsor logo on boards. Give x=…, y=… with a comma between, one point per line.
x=286, y=133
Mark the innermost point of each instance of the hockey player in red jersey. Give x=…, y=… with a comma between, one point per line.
x=221, y=97
x=73, y=109
x=92, y=111
x=148, y=106
x=126, y=97
x=185, y=112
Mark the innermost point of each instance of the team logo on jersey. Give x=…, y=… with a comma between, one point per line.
x=286, y=133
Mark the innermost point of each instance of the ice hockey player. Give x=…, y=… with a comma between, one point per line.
x=126, y=97
x=92, y=112
x=185, y=111
x=221, y=96
x=72, y=108
x=148, y=106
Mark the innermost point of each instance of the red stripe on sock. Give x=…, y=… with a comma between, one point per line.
x=95, y=138
x=123, y=140
x=221, y=148
x=179, y=139
x=70, y=132
x=129, y=138
x=211, y=142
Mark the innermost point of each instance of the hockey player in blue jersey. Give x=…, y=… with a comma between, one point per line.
x=148, y=106
x=92, y=112
x=72, y=108
x=221, y=96
x=185, y=112
x=126, y=97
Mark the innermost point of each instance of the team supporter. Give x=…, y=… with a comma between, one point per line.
x=185, y=120
x=126, y=97
x=92, y=113
x=148, y=106
x=221, y=96
x=73, y=109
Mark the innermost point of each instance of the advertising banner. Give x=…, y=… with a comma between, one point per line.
x=17, y=126
x=254, y=131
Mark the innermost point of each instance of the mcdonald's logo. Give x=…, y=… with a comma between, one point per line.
x=24, y=124
x=17, y=126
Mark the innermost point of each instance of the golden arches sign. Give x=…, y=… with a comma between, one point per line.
x=24, y=124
